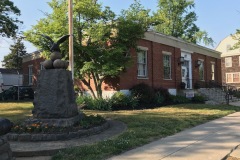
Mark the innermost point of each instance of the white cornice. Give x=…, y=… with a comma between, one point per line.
x=179, y=43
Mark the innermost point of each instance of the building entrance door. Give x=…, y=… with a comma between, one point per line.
x=185, y=74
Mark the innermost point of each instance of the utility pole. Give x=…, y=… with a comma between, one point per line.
x=70, y=22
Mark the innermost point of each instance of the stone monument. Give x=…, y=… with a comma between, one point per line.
x=54, y=100
x=5, y=150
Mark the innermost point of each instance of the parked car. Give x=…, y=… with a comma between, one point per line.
x=12, y=93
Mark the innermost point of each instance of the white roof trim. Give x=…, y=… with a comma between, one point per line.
x=179, y=43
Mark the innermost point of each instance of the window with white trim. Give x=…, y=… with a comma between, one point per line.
x=166, y=66
x=30, y=74
x=239, y=60
x=233, y=77
x=228, y=62
x=212, y=71
x=201, y=71
x=142, y=63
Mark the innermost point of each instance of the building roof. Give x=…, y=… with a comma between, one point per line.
x=180, y=43
x=225, y=47
x=10, y=71
x=159, y=38
x=31, y=56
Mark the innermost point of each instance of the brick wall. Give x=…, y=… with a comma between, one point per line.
x=155, y=67
x=235, y=68
x=154, y=78
x=36, y=68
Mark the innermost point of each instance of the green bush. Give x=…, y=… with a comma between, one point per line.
x=94, y=104
x=143, y=92
x=161, y=95
x=159, y=98
x=198, y=99
x=178, y=99
x=121, y=101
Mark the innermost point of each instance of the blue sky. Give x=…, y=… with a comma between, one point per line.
x=219, y=18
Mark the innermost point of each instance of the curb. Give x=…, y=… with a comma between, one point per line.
x=32, y=149
x=234, y=154
x=26, y=137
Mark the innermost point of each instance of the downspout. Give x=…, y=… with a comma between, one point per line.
x=174, y=66
x=206, y=70
x=152, y=63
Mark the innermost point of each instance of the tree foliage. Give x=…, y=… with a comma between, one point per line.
x=177, y=18
x=236, y=37
x=8, y=18
x=14, y=59
x=102, y=40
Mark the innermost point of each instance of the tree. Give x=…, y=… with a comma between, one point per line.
x=236, y=36
x=177, y=19
x=14, y=59
x=8, y=23
x=102, y=41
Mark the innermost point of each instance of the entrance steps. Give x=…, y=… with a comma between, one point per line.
x=216, y=95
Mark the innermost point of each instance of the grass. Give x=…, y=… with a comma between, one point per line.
x=15, y=111
x=144, y=126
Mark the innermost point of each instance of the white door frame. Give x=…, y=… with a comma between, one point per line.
x=188, y=57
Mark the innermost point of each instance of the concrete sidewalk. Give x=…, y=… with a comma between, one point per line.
x=209, y=141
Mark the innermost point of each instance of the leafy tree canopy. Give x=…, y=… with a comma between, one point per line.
x=102, y=40
x=8, y=18
x=14, y=59
x=177, y=19
x=236, y=36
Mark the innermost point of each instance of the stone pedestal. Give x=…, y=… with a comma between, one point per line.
x=5, y=150
x=54, y=98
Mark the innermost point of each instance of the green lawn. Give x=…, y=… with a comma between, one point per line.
x=15, y=111
x=143, y=126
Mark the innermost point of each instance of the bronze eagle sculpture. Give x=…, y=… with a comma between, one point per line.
x=55, y=45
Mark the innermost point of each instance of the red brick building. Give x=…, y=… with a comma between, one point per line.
x=162, y=61
x=32, y=64
x=230, y=62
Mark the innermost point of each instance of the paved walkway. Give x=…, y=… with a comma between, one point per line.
x=209, y=141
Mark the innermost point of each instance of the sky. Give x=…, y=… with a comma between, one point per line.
x=219, y=18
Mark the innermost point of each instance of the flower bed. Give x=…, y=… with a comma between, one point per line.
x=43, y=132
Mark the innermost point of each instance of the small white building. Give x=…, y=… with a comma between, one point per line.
x=10, y=77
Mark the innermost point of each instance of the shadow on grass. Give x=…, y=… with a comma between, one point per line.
x=206, y=107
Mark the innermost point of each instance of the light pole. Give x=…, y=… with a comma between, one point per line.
x=70, y=22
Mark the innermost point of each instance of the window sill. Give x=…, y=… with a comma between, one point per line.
x=142, y=77
x=167, y=79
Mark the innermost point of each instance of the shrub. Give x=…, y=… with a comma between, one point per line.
x=178, y=99
x=198, y=99
x=143, y=92
x=159, y=98
x=100, y=104
x=122, y=101
x=94, y=104
x=83, y=100
x=161, y=95
x=236, y=94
